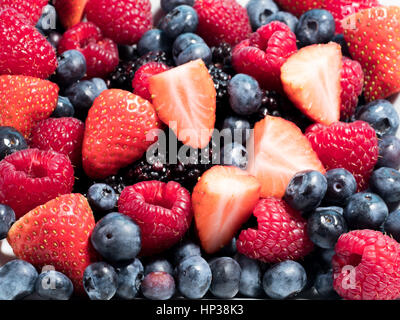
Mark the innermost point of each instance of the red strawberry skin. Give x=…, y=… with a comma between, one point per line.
x=70, y=12
x=122, y=21
x=24, y=51
x=63, y=135
x=366, y=266
x=57, y=234
x=352, y=146
x=31, y=177
x=115, y=132
x=25, y=101
x=263, y=54
x=163, y=212
x=101, y=54
x=222, y=21
x=31, y=9
x=280, y=235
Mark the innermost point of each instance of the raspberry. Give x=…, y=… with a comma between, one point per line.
x=280, y=235
x=162, y=210
x=222, y=21
x=366, y=266
x=31, y=9
x=352, y=81
x=352, y=146
x=31, y=177
x=263, y=54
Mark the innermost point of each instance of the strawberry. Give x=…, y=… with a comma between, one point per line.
x=24, y=51
x=25, y=101
x=222, y=21
x=57, y=234
x=70, y=12
x=122, y=21
x=119, y=128
x=373, y=39
x=280, y=151
x=352, y=146
x=311, y=79
x=185, y=100
x=223, y=200
x=140, y=82
x=31, y=9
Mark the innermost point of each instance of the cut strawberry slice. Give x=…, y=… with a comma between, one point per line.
x=185, y=100
x=223, y=200
x=280, y=150
x=311, y=79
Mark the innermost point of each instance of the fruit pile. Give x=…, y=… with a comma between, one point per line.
x=223, y=151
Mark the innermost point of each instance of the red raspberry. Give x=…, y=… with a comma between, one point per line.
x=162, y=210
x=140, y=82
x=222, y=21
x=366, y=266
x=31, y=9
x=31, y=177
x=352, y=81
x=280, y=235
x=123, y=21
x=263, y=54
x=63, y=135
x=352, y=146
x=101, y=54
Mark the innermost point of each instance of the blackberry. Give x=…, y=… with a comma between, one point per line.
x=221, y=81
x=116, y=182
x=222, y=56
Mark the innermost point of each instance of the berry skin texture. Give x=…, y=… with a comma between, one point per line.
x=264, y=52
x=375, y=258
x=163, y=212
x=280, y=235
x=100, y=281
x=341, y=185
x=63, y=135
x=32, y=177
x=158, y=286
x=62, y=289
x=70, y=12
x=7, y=219
x=259, y=10
x=32, y=9
x=222, y=21
x=181, y=19
x=351, y=146
x=11, y=141
x=226, y=274
x=244, y=94
x=24, y=50
x=57, y=234
x=115, y=132
x=389, y=152
x=129, y=279
x=122, y=21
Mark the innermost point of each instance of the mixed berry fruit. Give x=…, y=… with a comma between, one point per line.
x=222, y=151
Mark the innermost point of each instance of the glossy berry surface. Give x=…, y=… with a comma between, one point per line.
x=392, y=225
x=185, y=249
x=64, y=108
x=158, y=264
x=11, y=141
x=341, y=185
x=168, y=5
x=100, y=281
x=194, y=52
x=239, y=128
x=180, y=19
x=226, y=274
x=244, y=94
x=234, y=154
x=259, y=11
x=158, y=286
x=154, y=40
x=53, y=285
x=7, y=218
x=129, y=279
x=182, y=42
x=102, y=197
x=386, y=183
x=71, y=67
x=285, y=17
x=250, y=278
x=389, y=152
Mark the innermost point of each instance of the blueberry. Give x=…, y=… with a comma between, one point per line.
x=54, y=38
x=179, y=20
x=168, y=5
x=339, y=39
x=7, y=218
x=259, y=10
x=71, y=67
x=129, y=280
x=158, y=264
x=365, y=210
x=392, y=225
x=239, y=128
x=102, y=197
x=100, y=281
x=381, y=115
x=341, y=185
x=128, y=52
x=326, y=256
x=325, y=226
x=234, y=154
x=284, y=280
x=64, y=108
x=17, y=280
x=185, y=249
x=194, y=52
x=250, y=278
x=47, y=20
x=323, y=285
x=154, y=40
x=117, y=238
x=158, y=286
x=315, y=26
x=226, y=275
x=245, y=95
x=389, y=152
x=386, y=183
x=54, y=285
x=285, y=17
x=183, y=41
x=11, y=141
x=306, y=190
x=193, y=277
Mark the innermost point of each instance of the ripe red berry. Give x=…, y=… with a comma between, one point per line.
x=31, y=9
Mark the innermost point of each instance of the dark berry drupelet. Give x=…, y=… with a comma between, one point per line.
x=221, y=81
x=222, y=57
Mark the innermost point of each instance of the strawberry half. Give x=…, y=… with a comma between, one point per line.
x=311, y=79
x=223, y=200
x=374, y=41
x=70, y=11
x=185, y=100
x=280, y=151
